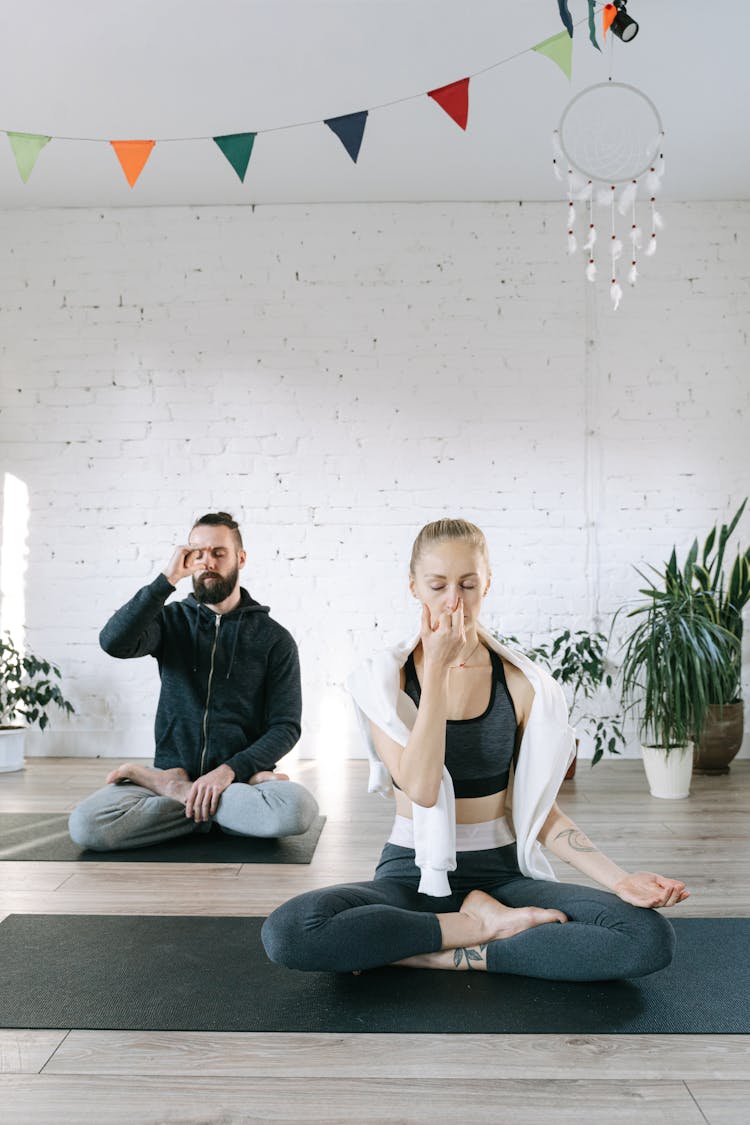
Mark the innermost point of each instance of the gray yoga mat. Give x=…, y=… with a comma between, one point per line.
x=43, y=837
x=211, y=974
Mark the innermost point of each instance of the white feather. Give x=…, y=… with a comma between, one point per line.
x=591, y=240
x=615, y=293
x=636, y=237
x=556, y=170
x=651, y=248
x=586, y=190
x=591, y=270
x=633, y=274
x=571, y=215
x=627, y=197
x=653, y=182
x=604, y=196
x=572, y=244
x=616, y=249
x=657, y=220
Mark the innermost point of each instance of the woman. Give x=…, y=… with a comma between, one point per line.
x=452, y=715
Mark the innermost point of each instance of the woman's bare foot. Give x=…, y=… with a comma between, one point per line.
x=173, y=783
x=497, y=921
x=267, y=775
x=481, y=919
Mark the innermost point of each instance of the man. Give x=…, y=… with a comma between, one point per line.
x=229, y=707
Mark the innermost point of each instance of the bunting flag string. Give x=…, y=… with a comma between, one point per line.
x=453, y=98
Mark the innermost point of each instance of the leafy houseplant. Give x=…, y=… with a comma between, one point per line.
x=724, y=599
x=28, y=689
x=578, y=661
x=674, y=664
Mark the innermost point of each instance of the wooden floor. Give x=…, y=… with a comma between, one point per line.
x=102, y=1077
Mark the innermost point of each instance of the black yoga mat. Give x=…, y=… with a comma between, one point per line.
x=211, y=974
x=44, y=837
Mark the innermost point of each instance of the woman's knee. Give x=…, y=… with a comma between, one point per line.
x=284, y=935
x=653, y=943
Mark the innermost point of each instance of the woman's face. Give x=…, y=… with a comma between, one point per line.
x=448, y=571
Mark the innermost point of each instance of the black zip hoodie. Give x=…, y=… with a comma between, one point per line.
x=230, y=683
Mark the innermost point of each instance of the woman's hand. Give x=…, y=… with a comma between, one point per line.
x=443, y=638
x=644, y=888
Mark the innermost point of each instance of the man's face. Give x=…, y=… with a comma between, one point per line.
x=220, y=559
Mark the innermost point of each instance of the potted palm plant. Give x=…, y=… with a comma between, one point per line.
x=28, y=689
x=579, y=662
x=724, y=599
x=674, y=664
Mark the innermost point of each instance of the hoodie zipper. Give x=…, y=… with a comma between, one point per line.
x=208, y=693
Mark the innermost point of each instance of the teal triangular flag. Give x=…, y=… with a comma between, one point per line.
x=237, y=148
x=26, y=147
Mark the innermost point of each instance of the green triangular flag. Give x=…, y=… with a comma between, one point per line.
x=237, y=148
x=26, y=147
x=559, y=48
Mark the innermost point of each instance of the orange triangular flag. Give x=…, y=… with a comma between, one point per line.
x=132, y=156
x=454, y=99
x=609, y=11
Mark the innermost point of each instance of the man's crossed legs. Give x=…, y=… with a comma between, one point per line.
x=141, y=806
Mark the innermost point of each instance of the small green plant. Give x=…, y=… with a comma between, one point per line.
x=28, y=686
x=578, y=661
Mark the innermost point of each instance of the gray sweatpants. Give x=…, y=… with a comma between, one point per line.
x=129, y=816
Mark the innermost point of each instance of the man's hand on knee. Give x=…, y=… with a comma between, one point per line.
x=203, y=798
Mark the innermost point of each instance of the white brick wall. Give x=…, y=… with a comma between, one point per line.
x=336, y=376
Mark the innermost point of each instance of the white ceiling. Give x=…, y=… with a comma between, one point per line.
x=196, y=68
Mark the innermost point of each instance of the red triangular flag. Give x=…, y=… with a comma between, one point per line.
x=132, y=156
x=454, y=99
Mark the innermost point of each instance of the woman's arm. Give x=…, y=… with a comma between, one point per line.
x=417, y=768
x=564, y=839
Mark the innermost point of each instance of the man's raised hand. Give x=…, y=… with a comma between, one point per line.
x=184, y=563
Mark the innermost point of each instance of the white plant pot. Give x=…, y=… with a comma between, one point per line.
x=668, y=774
x=12, y=743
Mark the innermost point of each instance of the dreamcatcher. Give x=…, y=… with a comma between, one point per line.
x=609, y=147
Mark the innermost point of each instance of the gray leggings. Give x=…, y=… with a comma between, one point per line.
x=366, y=925
x=129, y=816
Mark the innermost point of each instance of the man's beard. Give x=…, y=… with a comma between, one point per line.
x=217, y=589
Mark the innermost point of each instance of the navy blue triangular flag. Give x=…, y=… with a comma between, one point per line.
x=349, y=129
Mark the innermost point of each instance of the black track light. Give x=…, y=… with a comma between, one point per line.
x=623, y=26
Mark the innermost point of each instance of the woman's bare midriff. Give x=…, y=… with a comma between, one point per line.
x=469, y=810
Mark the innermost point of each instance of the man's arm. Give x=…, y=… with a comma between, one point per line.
x=135, y=628
x=283, y=711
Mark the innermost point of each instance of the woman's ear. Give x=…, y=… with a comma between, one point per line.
x=487, y=587
x=411, y=587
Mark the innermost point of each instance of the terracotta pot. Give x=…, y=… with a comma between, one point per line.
x=721, y=739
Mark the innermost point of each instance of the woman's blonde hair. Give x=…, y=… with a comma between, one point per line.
x=440, y=530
